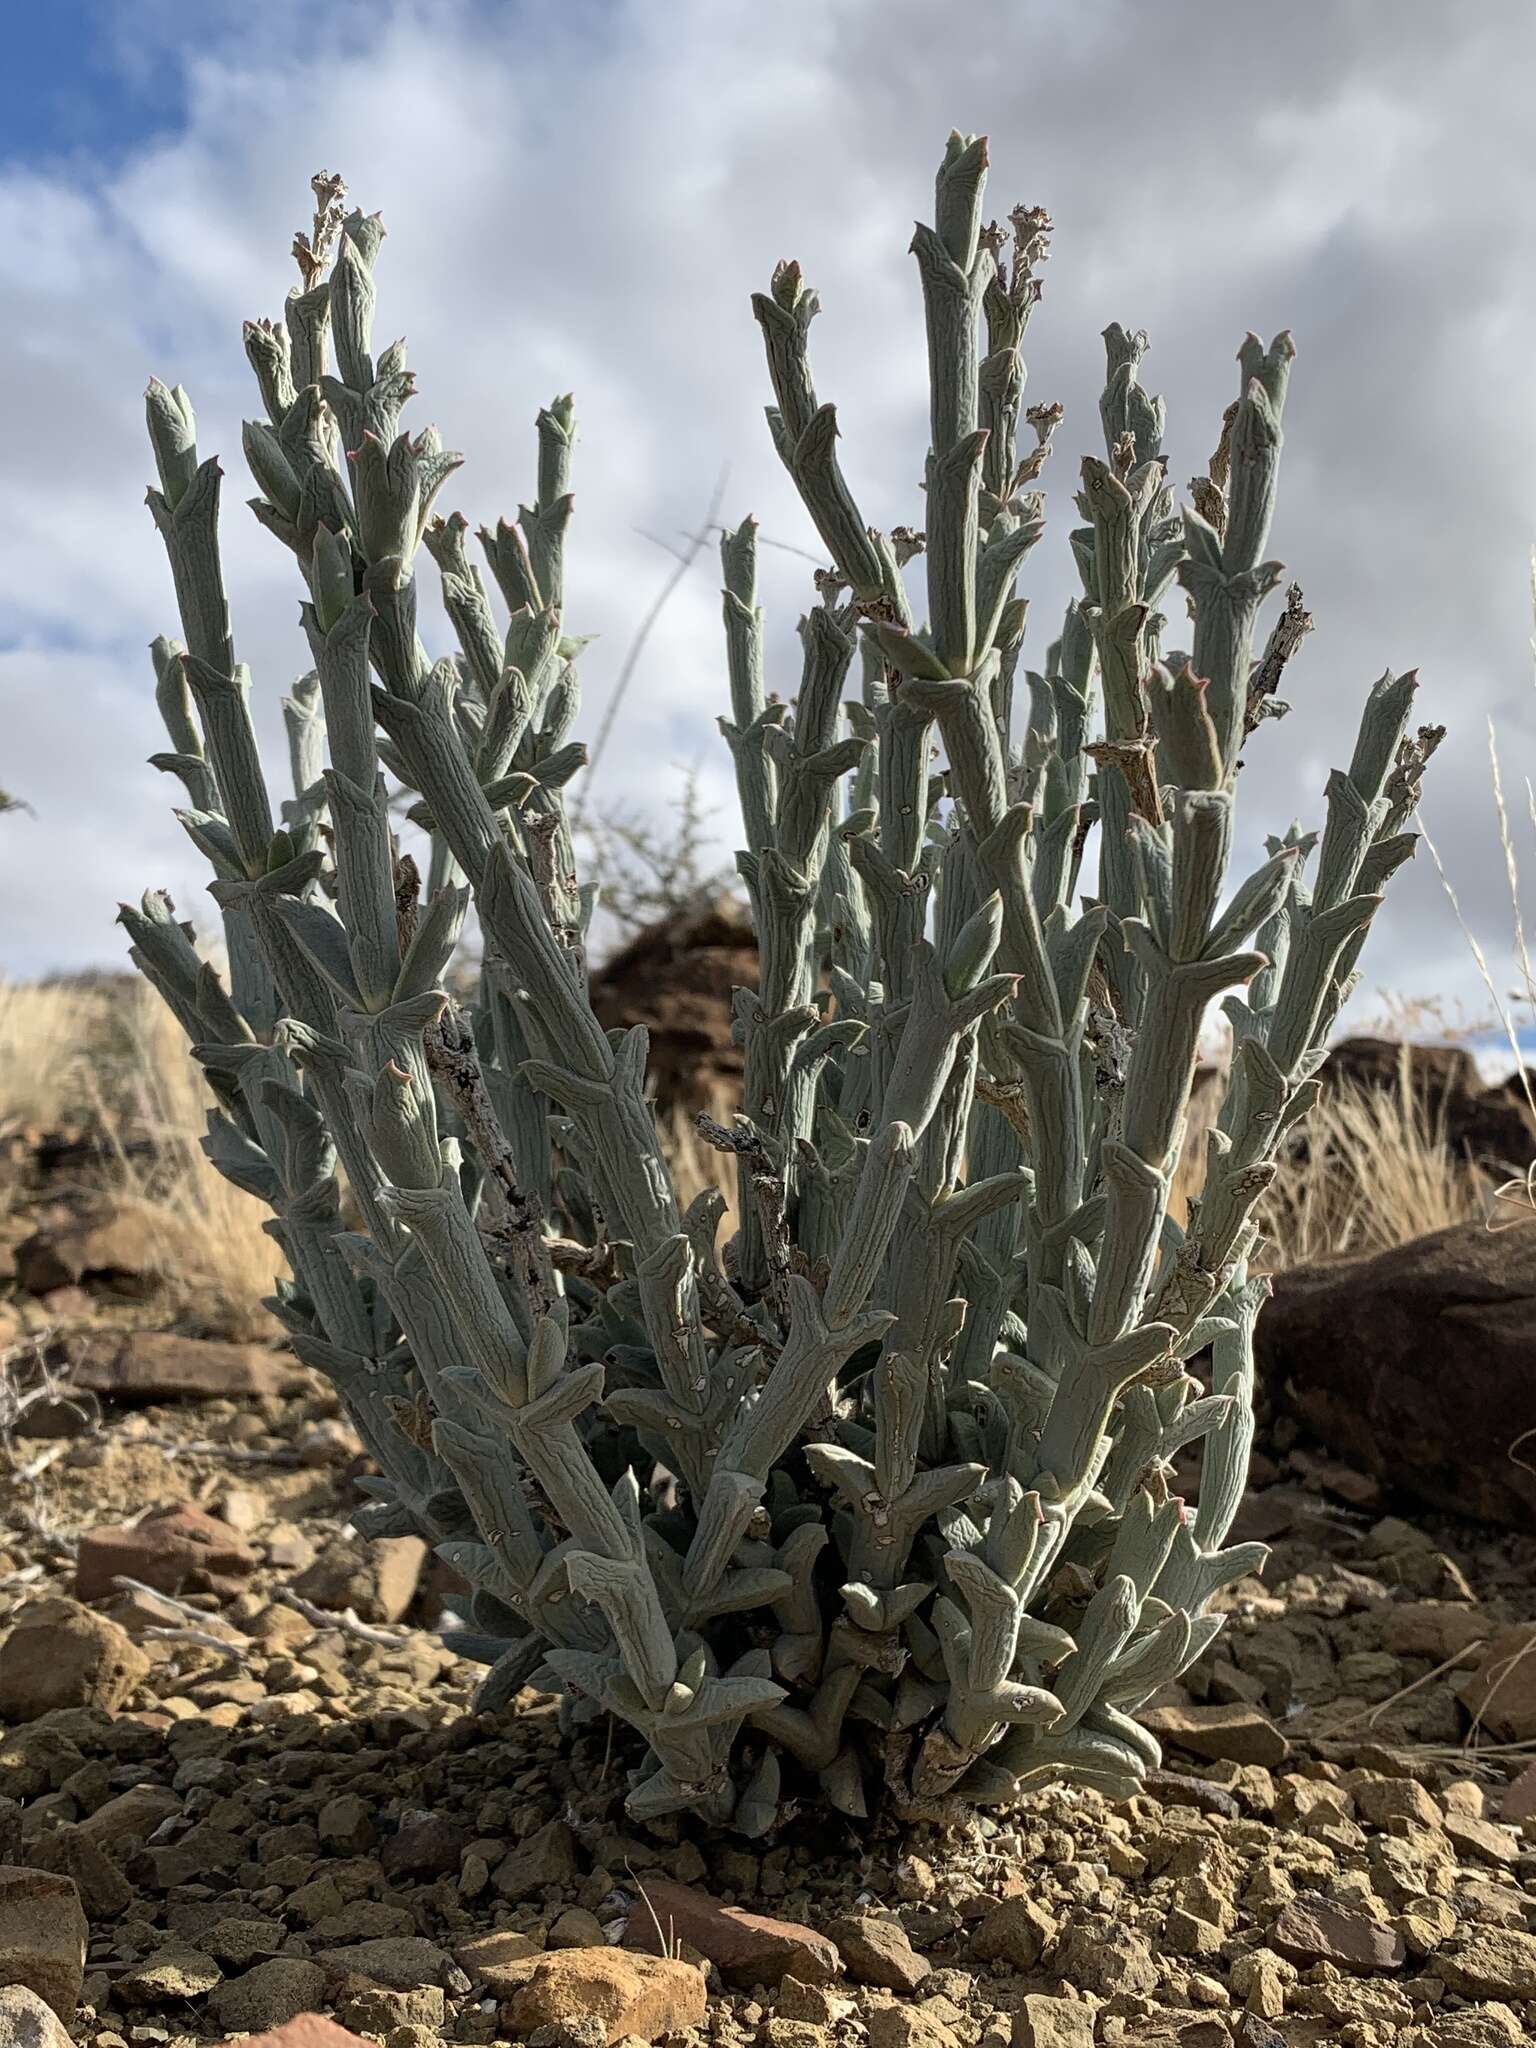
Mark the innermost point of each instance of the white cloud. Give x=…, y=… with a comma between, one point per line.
x=583, y=197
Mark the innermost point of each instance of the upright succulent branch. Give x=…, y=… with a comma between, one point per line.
x=906, y=1521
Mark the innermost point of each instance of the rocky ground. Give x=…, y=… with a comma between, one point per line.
x=239, y=1774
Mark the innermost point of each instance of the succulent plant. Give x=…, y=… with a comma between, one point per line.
x=879, y=1493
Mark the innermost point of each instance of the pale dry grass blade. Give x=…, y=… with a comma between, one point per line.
x=46, y=1031
x=1372, y=1168
x=220, y=1260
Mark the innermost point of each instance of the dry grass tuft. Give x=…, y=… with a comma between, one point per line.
x=1369, y=1168
x=105, y=1056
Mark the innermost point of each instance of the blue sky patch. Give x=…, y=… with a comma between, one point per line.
x=69, y=89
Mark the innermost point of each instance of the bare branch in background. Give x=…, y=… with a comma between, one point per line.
x=685, y=561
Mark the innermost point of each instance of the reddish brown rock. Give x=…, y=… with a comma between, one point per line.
x=163, y=1551
x=642, y=1995
x=1416, y=1364
x=155, y=1365
x=60, y=1654
x=746, y=1948
x=1500, y=1695
x=1238, y=1734
x=1312, y=1929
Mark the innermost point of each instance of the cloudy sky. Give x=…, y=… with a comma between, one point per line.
x=581, y=194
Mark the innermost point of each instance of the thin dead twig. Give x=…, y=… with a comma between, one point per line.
x=349, y=1621
x=685, y=561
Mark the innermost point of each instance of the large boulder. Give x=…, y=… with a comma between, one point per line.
x=675, y=977
x=60, y=1654
x=1493, y=1126
x=1419, y=1365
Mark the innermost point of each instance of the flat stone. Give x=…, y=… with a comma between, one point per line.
x=376, y=1579
x=1356, y=2001
x=1052, y=2023
x=1237, y=1733
x=190, y=1859
x=268, y=1996
x=875, y=1949
x=60, y=1654
x=363, y=1920
x=155, y=1365
x=1498, y=1962
x=169, y=1976
x=624, y=1993
x=778, y=2030
x=27, y=2021
x=134, y=1813
x=1180, y=1788
x=163, y=1551
x=43, y=1934
x=1207, y=2033
x=1489, y=1905
x=814, y=2005
x=1312, y=1929
x=747, y=1948
x=1484, y=1840
x=500, y=1961
x=240, y=1941
x=1492, y=2025
x=399, y=1961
